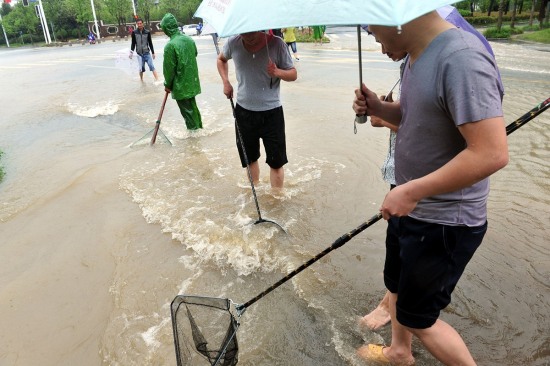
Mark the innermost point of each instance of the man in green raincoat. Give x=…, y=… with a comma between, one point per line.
x=181, y=73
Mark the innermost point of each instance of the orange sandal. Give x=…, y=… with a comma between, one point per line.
x=373, y=352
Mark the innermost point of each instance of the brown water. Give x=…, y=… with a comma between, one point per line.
x=96, y=237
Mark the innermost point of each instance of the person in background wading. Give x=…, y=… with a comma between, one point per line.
x=318, y=33
x=181, y=73
x=261, y=62
x=143, y=44
x=290, y=40
x=380, y=316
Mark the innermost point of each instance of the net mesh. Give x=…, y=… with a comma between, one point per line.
x=145, y=140
x=204, y=331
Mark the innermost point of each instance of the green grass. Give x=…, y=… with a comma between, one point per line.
x=542, y=36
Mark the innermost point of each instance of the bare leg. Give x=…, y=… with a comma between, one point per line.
x=380, y=316
x=255, y=172
x=277, y=177
x=141, y=76
x=445, y=344
x=156, y=75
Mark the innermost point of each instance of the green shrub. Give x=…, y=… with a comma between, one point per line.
x=481, y=19
x=494, y=33
x=465, y=12
x=531, y=28
x=61, y=34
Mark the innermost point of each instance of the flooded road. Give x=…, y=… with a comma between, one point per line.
x=97, y=237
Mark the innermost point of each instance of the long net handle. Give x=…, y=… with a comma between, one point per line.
x=541, y=107
x=246, y=160
x=157, y=125
x=337, y=244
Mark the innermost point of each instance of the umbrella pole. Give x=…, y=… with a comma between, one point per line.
x=358, y=118
x=359, y=54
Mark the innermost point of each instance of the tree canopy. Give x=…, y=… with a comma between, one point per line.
x=70, y=18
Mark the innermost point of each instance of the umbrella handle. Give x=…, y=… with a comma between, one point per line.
x=359, y=119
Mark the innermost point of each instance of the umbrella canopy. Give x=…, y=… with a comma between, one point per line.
x=208, y=29
x=231, y=17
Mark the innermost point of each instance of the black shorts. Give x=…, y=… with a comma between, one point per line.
x=266, y=125
x=424, y=262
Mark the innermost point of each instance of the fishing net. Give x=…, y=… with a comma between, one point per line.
x=155, y=136
x=204, y=331
x=156, y=133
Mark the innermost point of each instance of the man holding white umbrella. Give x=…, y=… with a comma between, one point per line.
x=451, y=138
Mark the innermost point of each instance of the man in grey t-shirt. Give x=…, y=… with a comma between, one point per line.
x=451, y=138
x=261, y=62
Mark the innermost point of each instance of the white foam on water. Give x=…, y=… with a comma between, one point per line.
x=215, y=218
x=150, y=336
x=103, y=108
x=524, y=69
x=178, y=130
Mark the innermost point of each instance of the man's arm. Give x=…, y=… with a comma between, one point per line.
x=169, y=67
x=223, y=70
x=133, y=42
x=379, y=122
x=286, y=75
x=486, y=152
x=150, y=41
x=367, y=102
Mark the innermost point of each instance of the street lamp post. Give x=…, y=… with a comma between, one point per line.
x=39, y=15
x=134, y=7
x=95, y=21
x=44, y=21
x=5, y=37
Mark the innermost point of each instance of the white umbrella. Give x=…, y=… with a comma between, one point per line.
x=208, y=29
x=231, y=17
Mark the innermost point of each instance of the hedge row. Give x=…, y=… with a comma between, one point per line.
x=480, y=20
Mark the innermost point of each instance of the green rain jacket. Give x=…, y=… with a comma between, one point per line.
x=181, y=73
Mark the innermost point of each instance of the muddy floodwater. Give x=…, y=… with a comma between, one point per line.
x=97, y=237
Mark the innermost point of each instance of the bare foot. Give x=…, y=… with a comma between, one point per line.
x=376, y=319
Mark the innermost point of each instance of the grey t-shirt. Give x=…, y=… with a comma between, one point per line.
x=257, y=91
x=453, y=82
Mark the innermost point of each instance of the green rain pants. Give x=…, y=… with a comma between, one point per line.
x=190, y=113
